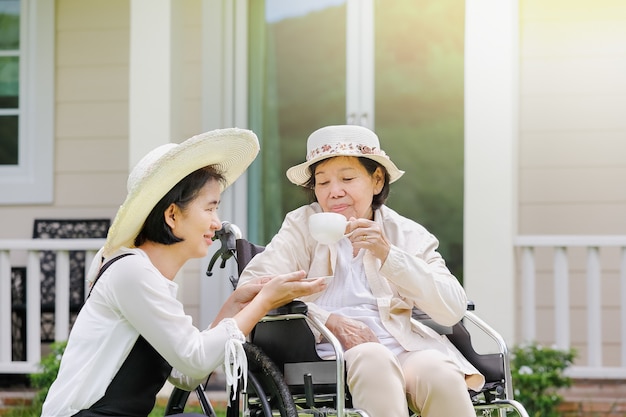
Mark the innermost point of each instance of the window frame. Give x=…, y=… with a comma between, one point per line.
x=31, y=180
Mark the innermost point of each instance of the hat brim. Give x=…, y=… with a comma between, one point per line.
x=230, y=150
x=299, y=174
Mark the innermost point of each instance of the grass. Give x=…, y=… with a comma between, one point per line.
x=158, y=411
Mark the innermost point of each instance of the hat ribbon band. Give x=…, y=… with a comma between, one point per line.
x=343, y=148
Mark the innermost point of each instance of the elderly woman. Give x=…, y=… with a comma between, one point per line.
x=132, y=334
x=384, y=267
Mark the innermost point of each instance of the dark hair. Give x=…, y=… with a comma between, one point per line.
x=370, y=166
x=155, y=228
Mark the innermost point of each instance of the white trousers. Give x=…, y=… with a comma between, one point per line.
x=386, y=386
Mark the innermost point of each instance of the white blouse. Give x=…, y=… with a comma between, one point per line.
x=131, y=298
x=348, y=294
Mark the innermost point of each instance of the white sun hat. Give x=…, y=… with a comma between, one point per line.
x=342, y=140
x=231, y=151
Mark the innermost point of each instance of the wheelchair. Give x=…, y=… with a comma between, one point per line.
x=287, y=378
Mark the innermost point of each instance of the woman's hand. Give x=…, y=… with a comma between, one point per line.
x=282, y=289
x=245, y=293
x=366, y=234
x=350, y=332
x=250, y=302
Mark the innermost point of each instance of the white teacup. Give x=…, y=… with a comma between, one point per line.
x=327, y=228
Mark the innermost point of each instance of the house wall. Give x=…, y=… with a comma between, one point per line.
x=571, y=137
x=91, y=123
x=91, y=162
x=187, y=48
x=571, y=144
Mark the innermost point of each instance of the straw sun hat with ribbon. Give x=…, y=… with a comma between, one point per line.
x=231, y=151
x=344, y=140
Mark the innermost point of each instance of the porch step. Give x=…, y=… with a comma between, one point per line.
x=14, y=398
x=594, y=398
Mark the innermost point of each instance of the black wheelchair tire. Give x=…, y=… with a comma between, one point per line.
x=267, y=382
x=266, y=388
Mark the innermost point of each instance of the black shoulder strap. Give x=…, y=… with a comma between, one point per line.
x=104, y=268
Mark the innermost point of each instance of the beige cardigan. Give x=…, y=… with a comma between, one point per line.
x=414, y=274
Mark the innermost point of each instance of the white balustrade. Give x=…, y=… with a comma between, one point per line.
x=595, y=341
x=593, y=366
x=32, y=248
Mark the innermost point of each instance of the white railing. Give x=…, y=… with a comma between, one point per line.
x=597, y=341
x=592, y=365
x=11, y=249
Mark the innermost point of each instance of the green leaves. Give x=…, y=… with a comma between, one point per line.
x=49, y=369
x=537, y=374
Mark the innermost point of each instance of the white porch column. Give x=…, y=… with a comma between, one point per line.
x=224, y=105
x=491, y=131
x=151, y=101
x=155, y=81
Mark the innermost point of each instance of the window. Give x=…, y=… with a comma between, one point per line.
x=394, y=66
x=26, y=101
x=9, y=80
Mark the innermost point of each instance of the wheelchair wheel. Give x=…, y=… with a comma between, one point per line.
x=267, y=390
x=266, y=395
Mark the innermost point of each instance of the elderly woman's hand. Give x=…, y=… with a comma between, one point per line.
x=350, y=332
x=367, y=234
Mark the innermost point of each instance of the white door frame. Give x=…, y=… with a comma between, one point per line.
x=491, y=131
x=360, y=63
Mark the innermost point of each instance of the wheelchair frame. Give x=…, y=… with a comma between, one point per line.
x=269, y=394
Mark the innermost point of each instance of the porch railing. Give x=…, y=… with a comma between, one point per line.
x=11, y=249
x=600, y=320
x=592, y=364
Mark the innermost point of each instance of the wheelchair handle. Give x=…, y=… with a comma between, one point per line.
x=227, y=235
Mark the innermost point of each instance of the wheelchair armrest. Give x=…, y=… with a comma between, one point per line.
x=494, y=366
x=293, y=307
x=424, y=318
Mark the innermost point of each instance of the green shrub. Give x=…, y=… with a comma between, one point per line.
x=49, y=367
x=537, y=374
